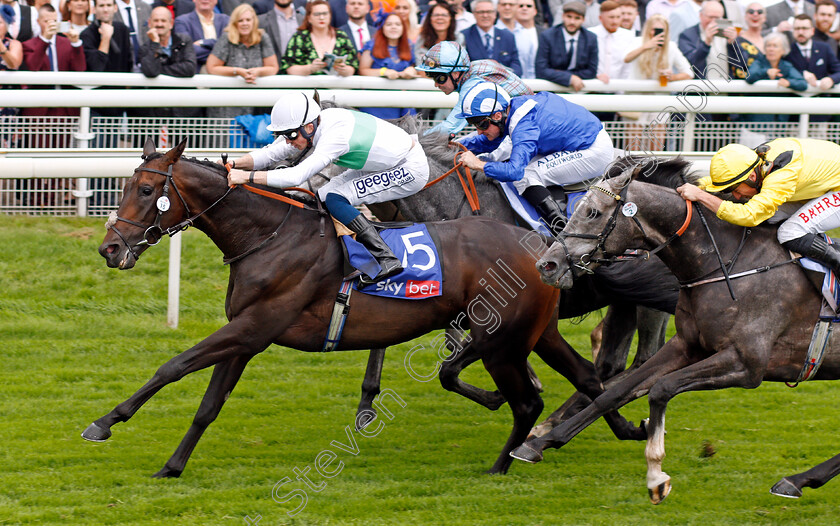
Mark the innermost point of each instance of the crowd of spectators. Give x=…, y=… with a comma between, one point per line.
x=794, y=42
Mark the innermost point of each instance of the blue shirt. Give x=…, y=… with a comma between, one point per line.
x=538, y=124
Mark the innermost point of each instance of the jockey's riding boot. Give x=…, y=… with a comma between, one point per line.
x=553, y=215
x=815, y=247
x=367, y=235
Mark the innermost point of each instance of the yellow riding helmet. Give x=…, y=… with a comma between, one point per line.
x=732, y=165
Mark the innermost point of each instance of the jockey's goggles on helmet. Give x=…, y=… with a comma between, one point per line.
x=287, y=134
x=440, y=78
x=481, y=123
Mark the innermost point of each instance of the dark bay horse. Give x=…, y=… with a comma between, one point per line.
x=763, y=335
x=648, y=288
x=284, y=281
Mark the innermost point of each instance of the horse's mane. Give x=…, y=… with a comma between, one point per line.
x=669, y=173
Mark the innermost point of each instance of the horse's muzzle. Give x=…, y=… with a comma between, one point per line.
x=117, y=255
x=553, y=274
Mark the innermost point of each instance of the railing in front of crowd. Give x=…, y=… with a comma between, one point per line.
x=77, y=165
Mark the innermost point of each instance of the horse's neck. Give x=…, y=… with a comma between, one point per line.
x=693, y=254
x=243, y=219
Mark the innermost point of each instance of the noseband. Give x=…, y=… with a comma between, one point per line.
x=153, y=233
x=629, y=209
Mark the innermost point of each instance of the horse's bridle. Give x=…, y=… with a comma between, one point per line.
x=587, y=259
x=153, y=233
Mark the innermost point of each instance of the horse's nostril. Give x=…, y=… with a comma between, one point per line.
x=548, y=266
x=111, y=249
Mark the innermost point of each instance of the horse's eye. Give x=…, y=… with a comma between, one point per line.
x=146, y=190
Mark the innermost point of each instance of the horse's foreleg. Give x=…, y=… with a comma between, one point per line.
x=813, y=478
x=224, y=378
x=452, y=367
x=560, y=356
x=670, y=358
x=366, y=413
x=524, y=401
x=224, y=344
x=719, y=371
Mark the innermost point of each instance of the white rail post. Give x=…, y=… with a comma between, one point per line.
x=83, y=137
x=688, y=132
x=174, y=280
x=804, y=120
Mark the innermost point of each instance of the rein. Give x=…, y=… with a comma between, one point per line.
x=466, y=183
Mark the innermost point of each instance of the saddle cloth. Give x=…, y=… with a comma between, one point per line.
x=416, y=247
x=529, y=214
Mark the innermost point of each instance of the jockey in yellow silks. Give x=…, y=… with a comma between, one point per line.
x=792, y=181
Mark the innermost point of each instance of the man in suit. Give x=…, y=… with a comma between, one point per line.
x=528, y=37
x=485, y=40
x=281, y=22
x=568, y=54
x=50, y=51
x=203, y=25
x=706, y=47
x=813, y=59
x=135, y=15
x=824, y=15
x=779, y=15
x=357, y=27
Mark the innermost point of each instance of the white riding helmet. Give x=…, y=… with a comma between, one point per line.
x=293, y=110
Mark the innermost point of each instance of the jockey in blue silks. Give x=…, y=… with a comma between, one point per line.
x=535, y=141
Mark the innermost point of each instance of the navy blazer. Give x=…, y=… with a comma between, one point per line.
x=823, y=63
x=696, y=51
x=349, y=33
x=190, y=25
x=553, y=60
x=504, y=47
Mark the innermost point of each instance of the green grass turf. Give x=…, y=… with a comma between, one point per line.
x=78, y=338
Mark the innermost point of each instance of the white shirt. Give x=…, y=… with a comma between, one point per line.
x=797, y=7
x=389, y=147
x=124, y=8
x=354, y=30
x=14, y=28
x=527, y=43
x=612, y=47
x=463, y=21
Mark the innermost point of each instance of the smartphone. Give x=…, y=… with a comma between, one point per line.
x=722, y=23
x=658, y=31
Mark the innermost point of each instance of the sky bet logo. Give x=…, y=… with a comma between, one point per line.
x=413, y=289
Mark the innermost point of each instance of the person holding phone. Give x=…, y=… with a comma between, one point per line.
x=710, y=45
x=308, y=49
x=653, y=56
x=107, y=42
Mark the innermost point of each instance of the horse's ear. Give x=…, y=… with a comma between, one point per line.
x=316, y=97
x=148, y=148
x=175, y=153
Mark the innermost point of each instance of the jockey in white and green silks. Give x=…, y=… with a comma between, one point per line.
x=384, y=163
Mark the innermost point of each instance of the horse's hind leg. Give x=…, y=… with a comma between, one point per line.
x=366, y=413
x=813, y=478
x=652, y=326
x=224, y=379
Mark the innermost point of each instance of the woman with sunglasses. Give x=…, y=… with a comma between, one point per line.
x=384, y=163
x=750, y=41
x=315, y=46
x=795, y=182
x=448, y=64
x=535, y=141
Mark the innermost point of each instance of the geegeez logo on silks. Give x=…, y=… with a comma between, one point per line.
x=372, y=184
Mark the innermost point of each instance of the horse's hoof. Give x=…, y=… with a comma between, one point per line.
x=526, y=453
x=94, y=433
x=785, y=488
x=364, y=418
x=660, y=491
x=166, y=473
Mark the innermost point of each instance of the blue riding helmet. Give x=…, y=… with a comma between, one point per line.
x=483, y=100
x=445, y=57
